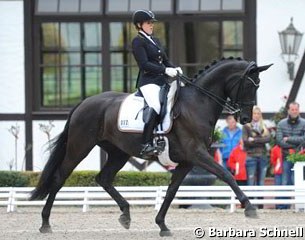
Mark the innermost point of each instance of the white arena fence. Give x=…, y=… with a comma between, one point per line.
x=12, y=197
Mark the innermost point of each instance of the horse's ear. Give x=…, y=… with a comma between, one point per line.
x=263, y=68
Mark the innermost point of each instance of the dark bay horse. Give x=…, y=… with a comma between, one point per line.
x=94, y=122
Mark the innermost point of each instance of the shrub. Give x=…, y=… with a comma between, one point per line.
x=13, y=179
x=87, y=178
x=142, y=179
x=82, y=179
x=32, y=178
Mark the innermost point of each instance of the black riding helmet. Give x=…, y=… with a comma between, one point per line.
x=141, y=16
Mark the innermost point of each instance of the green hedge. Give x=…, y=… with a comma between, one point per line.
x=16, y=179
x=87, y=178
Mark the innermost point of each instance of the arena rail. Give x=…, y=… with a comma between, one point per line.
x=12, y=197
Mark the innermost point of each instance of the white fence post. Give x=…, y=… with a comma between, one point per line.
x=10, y=206
x=299, y=183
x=158, y=198
x=86, y=201
x=232, y=205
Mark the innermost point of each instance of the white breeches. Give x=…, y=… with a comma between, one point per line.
x=151, y=96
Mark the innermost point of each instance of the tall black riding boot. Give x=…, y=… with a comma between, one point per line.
x=147, y=141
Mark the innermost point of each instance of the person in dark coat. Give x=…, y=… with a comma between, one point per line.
x=154, y=69
x=290, y=134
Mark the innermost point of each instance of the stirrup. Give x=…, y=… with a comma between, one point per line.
x=148, y=150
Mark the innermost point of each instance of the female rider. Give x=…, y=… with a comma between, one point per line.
x=154, y=68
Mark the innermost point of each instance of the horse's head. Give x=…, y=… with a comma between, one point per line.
x=232, y=78
x=243, y=92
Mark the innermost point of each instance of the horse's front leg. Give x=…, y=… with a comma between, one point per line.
x=203, y=159
x=177, y=178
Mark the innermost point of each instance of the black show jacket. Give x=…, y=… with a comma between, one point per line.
x=151, y=59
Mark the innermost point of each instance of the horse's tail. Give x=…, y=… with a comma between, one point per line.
x=58, y=152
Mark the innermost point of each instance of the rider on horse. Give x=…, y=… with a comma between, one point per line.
x=155, y=68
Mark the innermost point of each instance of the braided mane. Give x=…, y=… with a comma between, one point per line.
x=213, y=64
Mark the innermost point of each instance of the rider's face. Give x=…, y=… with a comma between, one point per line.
x=148, y=27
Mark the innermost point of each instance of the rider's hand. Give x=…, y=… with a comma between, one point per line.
x=182, y=84
x=171, y=72
x=179, y=70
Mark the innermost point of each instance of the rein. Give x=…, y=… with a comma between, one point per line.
x=228, y=105
x=231, y=107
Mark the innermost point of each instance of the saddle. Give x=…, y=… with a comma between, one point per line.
x=133, y=111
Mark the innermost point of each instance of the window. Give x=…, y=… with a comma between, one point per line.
x=232, y=5
x=128, y=6
x=47, y=6
x=69, y=6
x=208, y=5
x=188, y=6
x=195, y=6
x=205, y=41
x=71, y=63
x=232, y=38
x=124, y=69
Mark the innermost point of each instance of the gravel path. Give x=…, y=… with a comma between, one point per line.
x=101, y=223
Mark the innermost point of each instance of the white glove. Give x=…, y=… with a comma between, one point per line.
x=182, y=84
x=171, y=72
x=179, y=70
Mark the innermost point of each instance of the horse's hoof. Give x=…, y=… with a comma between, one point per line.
x=166, y=233
x=250, y=212
x=125, y=221
x=45, y=229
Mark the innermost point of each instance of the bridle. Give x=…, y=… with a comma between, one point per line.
x=243, y=78
x=232, y=106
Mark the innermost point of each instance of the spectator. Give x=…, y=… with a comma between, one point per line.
x=276, y=161
x=237, y=164
x=289, y=135
x=255, y=136
x=231, y=137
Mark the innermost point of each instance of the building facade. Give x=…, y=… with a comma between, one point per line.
x=55, y=53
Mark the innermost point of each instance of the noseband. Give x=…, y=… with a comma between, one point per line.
x=245, y=76
x=232, y=106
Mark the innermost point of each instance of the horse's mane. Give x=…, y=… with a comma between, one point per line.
x=213, y=65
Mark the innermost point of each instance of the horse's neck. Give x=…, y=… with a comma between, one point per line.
x=209, y=110
x=214, y=84
x=200, y=106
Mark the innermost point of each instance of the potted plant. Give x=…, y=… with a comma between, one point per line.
x=217, y=135
x=297, y=157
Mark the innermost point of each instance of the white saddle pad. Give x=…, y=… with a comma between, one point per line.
x=130, y=117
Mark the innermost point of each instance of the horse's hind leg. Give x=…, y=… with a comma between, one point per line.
x=116, y=160
x=204, y=160
x=71, y=160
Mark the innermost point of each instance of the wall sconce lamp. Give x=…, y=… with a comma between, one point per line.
x=290, y=40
